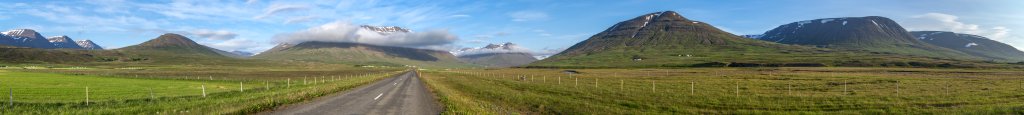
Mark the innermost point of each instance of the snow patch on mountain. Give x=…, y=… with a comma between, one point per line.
x=492, y=48
x=970, y=45
x=346, y=32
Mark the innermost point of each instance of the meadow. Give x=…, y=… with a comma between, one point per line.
x=816, y=90
x=172, y=90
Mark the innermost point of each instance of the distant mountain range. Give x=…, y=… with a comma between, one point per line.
x=971, y=44
x=872, y=33
x=32, y=39
x=660, y=39
x=363, y=54
x=666, y=39
x=496, y=55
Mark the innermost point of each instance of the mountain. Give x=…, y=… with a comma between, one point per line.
x=174, y=46
x=88, y=44
x=26, y=38
x=755, y=36
x=64, y=42
x=871, y=33
x=666, y=39
x=496, y=55
x=971, y=44
x=242, y=53
x=659, y=39
x=361, y=54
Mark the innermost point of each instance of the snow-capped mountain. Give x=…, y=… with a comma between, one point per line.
x=871, y=33
x=496, y=55
x=88, y=44
x=242, y=53
x=755, y=36
x=492, y=48
x=386, y=29
x=971, y=44
x=63, y=42
x=26, y=38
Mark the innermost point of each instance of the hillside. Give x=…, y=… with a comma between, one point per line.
x=971, y=44
x=666, y=39
x=496, y=55
x=64, y=42
x=362, y=54
x=872, y=33
x=25, y=38
x=173, y=48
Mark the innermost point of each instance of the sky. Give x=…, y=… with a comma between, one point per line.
x=542, y=27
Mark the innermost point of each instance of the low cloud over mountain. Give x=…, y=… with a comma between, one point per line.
x=351, y=33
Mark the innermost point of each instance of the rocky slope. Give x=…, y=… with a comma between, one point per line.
x=871, y=33
x=971, y=44
x=64, y=42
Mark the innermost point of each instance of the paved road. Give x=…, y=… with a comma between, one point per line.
x=402, y=95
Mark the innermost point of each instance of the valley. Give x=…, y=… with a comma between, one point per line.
x=271, y=57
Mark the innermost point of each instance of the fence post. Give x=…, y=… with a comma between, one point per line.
x=789, y=91
x=204, y=90
x=289, y=83
x=691, y=87
x=653, y=87
x=86, y=95
x=897, y=88
x=844, y=87
x=11, y=91
x=151, y=94
x=737, y=89
x=240, y=89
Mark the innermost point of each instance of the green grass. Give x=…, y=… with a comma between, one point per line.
x=731, y=91
x=760, y=53
x=50, y=93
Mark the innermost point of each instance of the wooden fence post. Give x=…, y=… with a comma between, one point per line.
x=204, y=90
x=86, y=95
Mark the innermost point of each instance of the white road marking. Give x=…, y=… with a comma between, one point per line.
x=378, y=96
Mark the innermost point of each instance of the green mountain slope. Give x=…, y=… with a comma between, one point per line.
x=362, y=54
x=872, y=33
x=971, y=44
x=666, y=39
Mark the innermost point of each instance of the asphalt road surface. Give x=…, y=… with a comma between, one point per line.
x=402, y=95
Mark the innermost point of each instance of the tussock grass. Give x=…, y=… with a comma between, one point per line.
x=730, y=91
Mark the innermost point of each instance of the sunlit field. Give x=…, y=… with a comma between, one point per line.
x=730, y=91
x=118, y=91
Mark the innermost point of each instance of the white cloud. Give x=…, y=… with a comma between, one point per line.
x=947, y=22
x=300, y=19
x=200, y=9
x=492, y=48
x=520, y=16
x=235, y=44
x=214, y=35
x=460, y=16
x=279, y=8
x=340, y=31
x=547, y=52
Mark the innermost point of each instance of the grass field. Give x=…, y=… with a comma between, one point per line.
x=62, y=91
x=730, y=91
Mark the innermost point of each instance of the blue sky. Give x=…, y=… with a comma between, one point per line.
x=542, y=26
